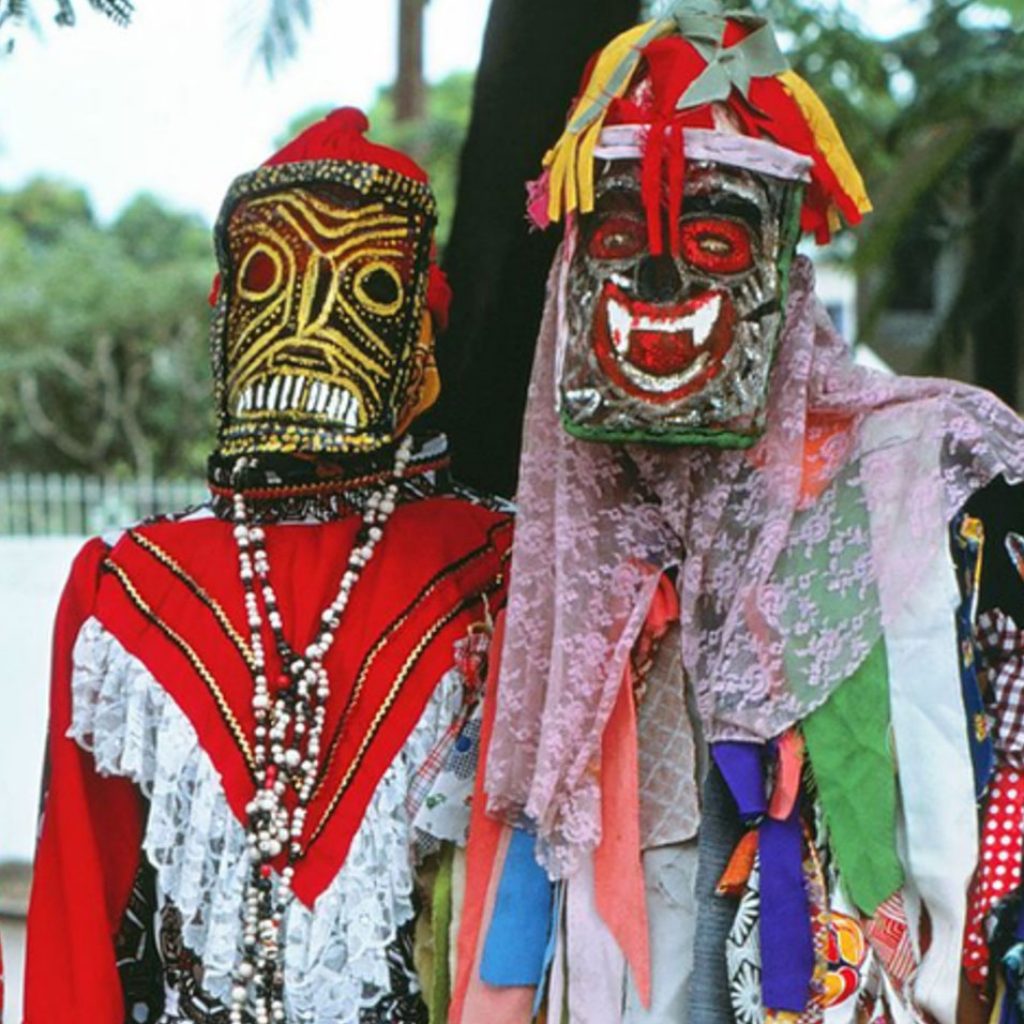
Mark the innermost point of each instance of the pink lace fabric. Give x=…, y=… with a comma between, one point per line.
x=785, y=553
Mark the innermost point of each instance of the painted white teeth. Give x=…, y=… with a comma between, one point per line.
x=699, y=323
x=333, y=403
x=300, y=394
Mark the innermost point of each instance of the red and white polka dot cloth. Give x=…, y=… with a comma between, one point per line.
x=999, y=868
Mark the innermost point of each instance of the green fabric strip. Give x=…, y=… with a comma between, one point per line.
x=441, y=919
x=848, y=745
x=696, y=435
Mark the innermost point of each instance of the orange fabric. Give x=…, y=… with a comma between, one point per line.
x=820, y=456
x=737, y=872
x=472, y=1001
x=490, y=1003
x=787, y=780
x=618, y=870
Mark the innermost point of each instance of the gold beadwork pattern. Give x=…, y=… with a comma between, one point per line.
x=211, y=603
x=382, y=641
x=363, y=355
x=392, y=695
x=190, y=654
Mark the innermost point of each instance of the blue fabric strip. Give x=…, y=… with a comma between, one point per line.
x=787, y=946
x=518, y=938
x=741, y=765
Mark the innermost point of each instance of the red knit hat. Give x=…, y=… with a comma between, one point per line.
x=341, y=135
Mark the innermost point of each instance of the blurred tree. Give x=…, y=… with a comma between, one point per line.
x=956, y=184
x=14, y=13
x=104, y=362
x=533, y=55
x=410, y=95
x=435, y=141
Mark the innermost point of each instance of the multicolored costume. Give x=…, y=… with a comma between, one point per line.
x=258, y=707
x=734, y=720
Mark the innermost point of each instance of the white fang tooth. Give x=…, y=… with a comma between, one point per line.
x=334, y=403
x=275, y=386
x=300, y=386
x=314, y=394
x=620, y=323
x=352, y=413
x=325, y=394
x=286, y=393
x=704, y=320
x=240, y=405
x=261, y=394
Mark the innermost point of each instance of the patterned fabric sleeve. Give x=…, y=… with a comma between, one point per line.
x=1002, y=646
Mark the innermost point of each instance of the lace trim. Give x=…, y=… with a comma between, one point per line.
x=335, y=956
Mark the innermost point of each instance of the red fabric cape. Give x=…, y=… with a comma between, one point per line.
x=169, y=593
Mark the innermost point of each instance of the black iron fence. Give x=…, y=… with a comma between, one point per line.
x=57, y=505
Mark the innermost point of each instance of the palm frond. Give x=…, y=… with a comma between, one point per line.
x=278, y=32
x=119, y=11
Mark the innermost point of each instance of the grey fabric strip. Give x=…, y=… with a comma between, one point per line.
x=720, y=831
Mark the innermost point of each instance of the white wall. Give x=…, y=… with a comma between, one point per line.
x=12, y=935
x=32, y=575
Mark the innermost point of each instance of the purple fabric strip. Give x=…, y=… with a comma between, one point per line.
x=787, y=946
x=742, y=767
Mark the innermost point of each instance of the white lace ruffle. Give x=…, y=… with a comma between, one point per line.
x=335, y=963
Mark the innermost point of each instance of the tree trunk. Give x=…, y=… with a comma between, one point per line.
x=997, y=326
x=534, y=53
x=410, y=88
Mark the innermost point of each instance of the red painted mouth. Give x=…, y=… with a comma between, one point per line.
x=662, y=353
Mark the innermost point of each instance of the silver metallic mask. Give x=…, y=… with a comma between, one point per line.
x=677, y=349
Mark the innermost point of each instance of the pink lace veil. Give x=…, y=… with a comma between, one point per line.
x=781, y=555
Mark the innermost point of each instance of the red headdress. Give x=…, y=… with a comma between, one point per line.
x=676, y=73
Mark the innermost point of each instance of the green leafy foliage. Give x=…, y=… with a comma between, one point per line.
x=103, y=366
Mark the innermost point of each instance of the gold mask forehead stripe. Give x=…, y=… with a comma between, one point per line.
x=279, y=346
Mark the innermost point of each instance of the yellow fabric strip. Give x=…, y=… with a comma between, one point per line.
x=828, y=139
x=572, y=158
x=585, y=167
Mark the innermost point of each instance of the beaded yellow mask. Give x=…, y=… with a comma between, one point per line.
x=322, y=334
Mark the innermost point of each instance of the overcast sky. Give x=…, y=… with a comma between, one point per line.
x=175, y=105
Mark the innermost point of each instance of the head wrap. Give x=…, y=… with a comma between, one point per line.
x=792, y=557
x=686, y=71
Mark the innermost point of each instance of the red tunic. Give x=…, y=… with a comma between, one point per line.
x=170, y=594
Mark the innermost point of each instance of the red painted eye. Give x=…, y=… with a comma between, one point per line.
x=259, y=273
x=617, y=238
x=716, y=245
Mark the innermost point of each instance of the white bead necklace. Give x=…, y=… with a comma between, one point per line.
x=286, y=749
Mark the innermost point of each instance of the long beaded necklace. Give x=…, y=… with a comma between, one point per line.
x=287, y=735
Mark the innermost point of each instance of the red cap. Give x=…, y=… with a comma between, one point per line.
x=341, y=135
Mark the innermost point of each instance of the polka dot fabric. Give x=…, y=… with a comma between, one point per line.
x=999, y=866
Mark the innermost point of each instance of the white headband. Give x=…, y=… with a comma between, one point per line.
x=623, y=142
